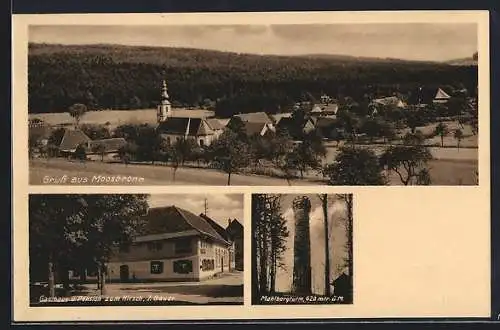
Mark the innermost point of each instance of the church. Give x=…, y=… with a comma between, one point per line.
x=178, y=124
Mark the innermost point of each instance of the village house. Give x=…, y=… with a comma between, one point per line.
x=186, y=124
x=441, y=97
x=254, y=123
x=102, y=149
x=386, y=102
x=176, y=245
x=327, y=107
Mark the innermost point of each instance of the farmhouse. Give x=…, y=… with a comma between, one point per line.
x=254, y=123
x=71, y=139
x=176, y=245
x=95, y=149
x=441, y=96
x=105, y=148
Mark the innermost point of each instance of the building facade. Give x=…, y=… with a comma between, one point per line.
x=176, y=245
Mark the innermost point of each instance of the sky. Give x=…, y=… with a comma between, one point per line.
x=337, y=215
x=221, y=207
x=411, y=41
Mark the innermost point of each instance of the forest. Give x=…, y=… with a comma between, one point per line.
x=270, y=232
x=125, y=77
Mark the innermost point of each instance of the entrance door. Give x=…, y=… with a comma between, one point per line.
x=124, y=273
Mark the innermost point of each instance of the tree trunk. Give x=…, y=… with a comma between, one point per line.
x=263, y=261
x=65, y=278
x=442, y=141
x=327, y=245
x=51, y=277
x=229, y=178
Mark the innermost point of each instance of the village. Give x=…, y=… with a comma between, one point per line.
x=291, y=147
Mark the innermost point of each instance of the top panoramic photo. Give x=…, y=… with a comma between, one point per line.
x=253, y=105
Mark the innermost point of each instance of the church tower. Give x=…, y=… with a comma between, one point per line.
x=164, y=108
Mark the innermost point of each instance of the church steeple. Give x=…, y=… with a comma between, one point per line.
x=164, y=108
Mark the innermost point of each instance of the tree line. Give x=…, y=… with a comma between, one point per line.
x=106, y=77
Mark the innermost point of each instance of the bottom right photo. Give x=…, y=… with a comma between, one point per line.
x=302, y=249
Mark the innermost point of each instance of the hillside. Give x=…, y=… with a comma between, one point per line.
x=127, y=77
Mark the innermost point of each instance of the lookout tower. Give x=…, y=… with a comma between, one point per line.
x=302, y=247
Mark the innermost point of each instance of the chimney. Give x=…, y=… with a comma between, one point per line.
x=229, y=221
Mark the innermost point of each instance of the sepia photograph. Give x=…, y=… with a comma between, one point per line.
x=302, y=249
x=134, y=249
x=254, y=104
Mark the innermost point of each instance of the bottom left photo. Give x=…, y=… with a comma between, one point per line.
x=136, y=249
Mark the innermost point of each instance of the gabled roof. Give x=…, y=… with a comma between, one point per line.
x=214, y=123
x=441, y=94
x=390, y=100
x=253, y=128
x=279, y=116
x=181, y=125
x=218, y=228
x=110, y=145
x=255, y=117
x=173, y=219
x=72, y=138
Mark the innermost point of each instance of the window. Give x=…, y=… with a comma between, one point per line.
x=202, y=142
x=183, y=266
x=183, y=245
x=207, y=264
x=156, y=267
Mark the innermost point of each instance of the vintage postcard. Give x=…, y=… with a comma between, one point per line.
x=219, y=166
x=257, y=104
